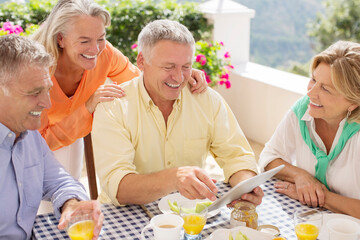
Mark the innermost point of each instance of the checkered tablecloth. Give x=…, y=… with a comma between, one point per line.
x=127, y=222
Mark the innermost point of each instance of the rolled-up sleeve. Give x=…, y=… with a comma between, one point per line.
x=114, y=152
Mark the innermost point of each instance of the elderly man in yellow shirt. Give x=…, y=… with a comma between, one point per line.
x=155, y=140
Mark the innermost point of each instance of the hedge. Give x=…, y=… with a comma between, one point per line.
x=128, y=18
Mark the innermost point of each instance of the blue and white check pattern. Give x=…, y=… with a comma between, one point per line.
x=127, y=222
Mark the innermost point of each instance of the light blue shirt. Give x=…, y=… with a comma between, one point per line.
x=28, y=174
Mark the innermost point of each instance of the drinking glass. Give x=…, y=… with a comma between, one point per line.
x=308, y=223
x=81, y=226
x=194, y=215
x=343, y=228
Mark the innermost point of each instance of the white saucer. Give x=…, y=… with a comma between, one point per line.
x=326, y=217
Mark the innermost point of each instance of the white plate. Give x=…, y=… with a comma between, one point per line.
x=223, y=234
x=326, y=217
x=164, y=206
x=243, y=187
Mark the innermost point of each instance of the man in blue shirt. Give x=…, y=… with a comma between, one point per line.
x=28, y=170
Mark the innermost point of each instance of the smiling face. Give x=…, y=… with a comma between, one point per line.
x=26, y=97
x=167, y=70
x=325, y=101
x=83, y=42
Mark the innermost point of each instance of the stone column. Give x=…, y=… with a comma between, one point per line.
x=231, y=22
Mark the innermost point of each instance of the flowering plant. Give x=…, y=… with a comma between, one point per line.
x=215, y=68
x=10, y=28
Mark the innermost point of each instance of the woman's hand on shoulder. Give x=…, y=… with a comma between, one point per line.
x=197, y=81
x=105, y=93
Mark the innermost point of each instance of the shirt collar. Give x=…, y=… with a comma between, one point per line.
x=310, y=122
x=147, y=99
x=6, y=132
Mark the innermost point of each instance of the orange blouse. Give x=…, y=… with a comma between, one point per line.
x=68, y=119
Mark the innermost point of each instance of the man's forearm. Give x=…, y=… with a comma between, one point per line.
x=145, y=188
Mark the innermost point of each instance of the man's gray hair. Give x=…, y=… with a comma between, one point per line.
x=18, y=53
x=163, y=30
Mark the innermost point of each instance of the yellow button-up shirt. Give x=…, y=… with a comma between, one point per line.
x=130, y=136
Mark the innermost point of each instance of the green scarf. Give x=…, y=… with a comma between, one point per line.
x=323, y=160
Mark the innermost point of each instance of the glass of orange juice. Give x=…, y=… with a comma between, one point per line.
x=81, y=226
x=194, y=215
x=307, y=223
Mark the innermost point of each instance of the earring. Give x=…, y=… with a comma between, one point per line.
x=348, y=114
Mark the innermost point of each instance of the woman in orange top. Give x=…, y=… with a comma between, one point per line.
x=74, y=32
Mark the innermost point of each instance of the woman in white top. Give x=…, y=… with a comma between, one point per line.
x=319, y=138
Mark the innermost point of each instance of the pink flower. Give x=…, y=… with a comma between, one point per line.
x=227, y=84
x=225, y=76
x=228, y=67
x=221, y=43
x=225, y=80
x=17, y=29
x=10, y=28
x=206, y=76
x=7, y=26
x=201, y=58
x=134, y=46
x=227, y=55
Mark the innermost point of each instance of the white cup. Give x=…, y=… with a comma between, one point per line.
x=165, y=227
x=342, y=228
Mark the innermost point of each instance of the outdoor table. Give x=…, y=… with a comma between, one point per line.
x=128, y=221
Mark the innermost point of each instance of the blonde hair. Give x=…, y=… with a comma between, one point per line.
x=163, y=30
x=17, y=54
x=59, y=19
x=344, y=60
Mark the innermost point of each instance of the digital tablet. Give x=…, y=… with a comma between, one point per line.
x=243, y=187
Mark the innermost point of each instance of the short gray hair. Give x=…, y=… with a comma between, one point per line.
x=163, y=30
x=18, y=53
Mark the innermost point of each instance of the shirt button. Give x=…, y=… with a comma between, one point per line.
x=10, y=135
x=20, y=184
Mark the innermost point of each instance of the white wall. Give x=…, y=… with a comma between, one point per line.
x=260, y=96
